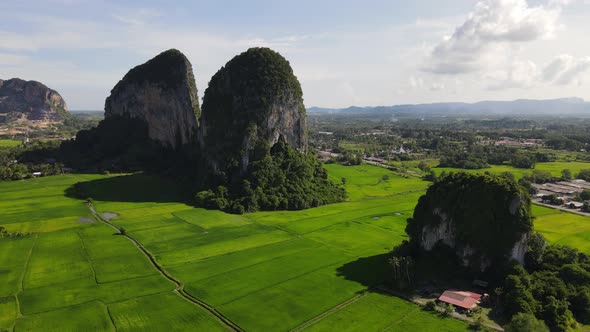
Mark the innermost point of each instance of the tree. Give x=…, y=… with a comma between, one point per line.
x=580, y=305
x=536, y=249
x=539, y=177
x=556, y=314
x=526, y=323
x=585, y=195
x=509, y=176
x=552, y=199
x=423, y=166
x=566, y=175
x=584, y=175
x=522, y=161
x=448, y=309
x=477, y=324
x=526, y=184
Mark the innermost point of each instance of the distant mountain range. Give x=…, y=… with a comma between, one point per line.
x=549, y=107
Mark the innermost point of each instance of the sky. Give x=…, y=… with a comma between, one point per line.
x=344, y=52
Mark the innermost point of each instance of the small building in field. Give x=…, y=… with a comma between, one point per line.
x=461, y=299
x=575, y=205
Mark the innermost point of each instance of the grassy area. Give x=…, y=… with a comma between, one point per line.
x=554, y=168
x=9, y=142
x=292, y=266
x=380, y=312
x=68, y=274
x=366, y=181
x=264, y=260
x=564, y=228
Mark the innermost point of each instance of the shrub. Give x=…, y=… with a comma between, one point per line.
x=430, y=306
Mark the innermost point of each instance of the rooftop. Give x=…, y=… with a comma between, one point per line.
x=462, y=299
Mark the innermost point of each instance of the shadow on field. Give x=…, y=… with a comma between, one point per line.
x=369, y=271
x=130, y=188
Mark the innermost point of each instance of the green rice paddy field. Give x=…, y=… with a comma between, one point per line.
x=9, y=143
x=263, y=271
x=554, y=168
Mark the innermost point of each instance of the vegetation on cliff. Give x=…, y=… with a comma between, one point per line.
x=554, y=288
x=250, y=102
x=254, y=141
x=484, y=215
x=285, y=179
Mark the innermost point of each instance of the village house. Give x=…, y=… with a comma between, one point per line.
x=462, y=300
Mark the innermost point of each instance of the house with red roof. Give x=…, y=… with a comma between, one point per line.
x=461, y=299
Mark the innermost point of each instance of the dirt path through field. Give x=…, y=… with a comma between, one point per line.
x=179, y=285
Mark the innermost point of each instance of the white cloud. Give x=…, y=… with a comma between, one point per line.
x=566, y=69
x=519, y=74
x=493, y=27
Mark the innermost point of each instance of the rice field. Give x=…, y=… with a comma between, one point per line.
x=554, y=168
x=263, y=271
x=72, y=273
x=9, y=143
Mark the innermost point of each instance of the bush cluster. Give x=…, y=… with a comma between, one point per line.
x=283, y=180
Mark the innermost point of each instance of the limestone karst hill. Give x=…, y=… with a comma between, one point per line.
x=161, y=93
x=246, y=150
x=30, y=100
x=251, y=103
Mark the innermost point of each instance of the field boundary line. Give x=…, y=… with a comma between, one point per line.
x=397, y=322
x=231, y=253
x=110, y=317
x=329, y=312
x=281, y=282
x=21, y=284
x=255, y=264
x=179, y=285
x=268, y=230
x=88, y=258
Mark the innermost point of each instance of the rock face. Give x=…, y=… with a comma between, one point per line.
x=486, y=220
x=162, y=93
x=250, y=104
x=30, y=100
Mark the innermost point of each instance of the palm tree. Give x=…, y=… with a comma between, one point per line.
x=395, y=263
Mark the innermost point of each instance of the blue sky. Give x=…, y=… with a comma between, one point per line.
x=344, y=52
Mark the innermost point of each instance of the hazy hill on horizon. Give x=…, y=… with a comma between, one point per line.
x=547, y=107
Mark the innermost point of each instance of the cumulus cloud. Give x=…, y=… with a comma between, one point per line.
x=493, y=26
x=566, y=69
x=519, y=74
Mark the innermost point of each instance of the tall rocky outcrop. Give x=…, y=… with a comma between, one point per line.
x=30, y=100
x=246, y=151
x=486, y=220
x=251, y=103
x=253, y=140
x=150, y=121
x=161, y=93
